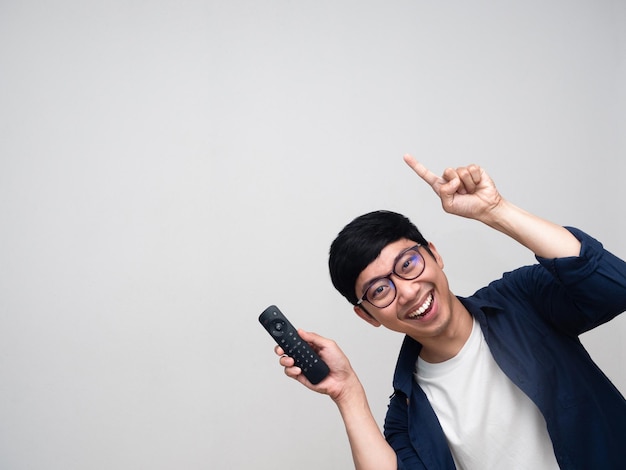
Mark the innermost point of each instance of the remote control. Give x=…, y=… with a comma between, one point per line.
x=288, y=338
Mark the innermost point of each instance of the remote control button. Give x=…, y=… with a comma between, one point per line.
x=277, y=327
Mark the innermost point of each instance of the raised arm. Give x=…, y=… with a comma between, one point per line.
x=470, y=192
x=370, y=450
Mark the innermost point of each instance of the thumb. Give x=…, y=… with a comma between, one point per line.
x=448, y=191
x=312, y=338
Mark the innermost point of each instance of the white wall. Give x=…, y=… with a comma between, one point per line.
x=170, y=168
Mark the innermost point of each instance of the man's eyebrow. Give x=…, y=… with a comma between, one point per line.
x=376, y=278
x=395, y=261
x=371, y=281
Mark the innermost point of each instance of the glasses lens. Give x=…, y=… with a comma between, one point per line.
x=410, y=265
x=381, y=293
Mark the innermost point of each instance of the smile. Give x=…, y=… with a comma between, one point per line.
x=424, y=308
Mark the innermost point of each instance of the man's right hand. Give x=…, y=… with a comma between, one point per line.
x=341, y=378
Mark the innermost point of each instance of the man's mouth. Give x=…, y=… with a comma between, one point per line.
x=422, y=309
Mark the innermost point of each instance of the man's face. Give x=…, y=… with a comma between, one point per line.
x=422, y=306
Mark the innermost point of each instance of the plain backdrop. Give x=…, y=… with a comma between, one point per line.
x=168, y=169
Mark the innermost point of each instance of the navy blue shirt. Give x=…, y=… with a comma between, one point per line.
x=531, y=319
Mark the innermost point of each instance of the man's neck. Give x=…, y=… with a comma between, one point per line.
x=448, y=344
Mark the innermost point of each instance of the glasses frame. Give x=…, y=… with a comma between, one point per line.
x=394, y=273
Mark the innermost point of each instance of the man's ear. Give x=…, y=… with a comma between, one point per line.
x=435, y=254
x=361, y=312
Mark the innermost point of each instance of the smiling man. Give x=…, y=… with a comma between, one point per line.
x=498, y=380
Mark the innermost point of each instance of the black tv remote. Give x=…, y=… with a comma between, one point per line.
x=294, y=346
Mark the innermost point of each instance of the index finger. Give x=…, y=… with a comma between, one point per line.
x=421, y=170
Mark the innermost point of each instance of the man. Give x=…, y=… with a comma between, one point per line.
x=498, y=380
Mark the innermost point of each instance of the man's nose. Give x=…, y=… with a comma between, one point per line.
x=406, y=290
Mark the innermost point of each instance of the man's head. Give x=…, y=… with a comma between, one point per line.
x=361, y=241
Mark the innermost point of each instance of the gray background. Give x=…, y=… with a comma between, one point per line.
x=170, y=168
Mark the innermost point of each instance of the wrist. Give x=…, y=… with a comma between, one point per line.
x=351, y=394
x=498, y=215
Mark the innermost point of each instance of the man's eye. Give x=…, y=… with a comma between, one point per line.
x=378, y=291
x=409, y=263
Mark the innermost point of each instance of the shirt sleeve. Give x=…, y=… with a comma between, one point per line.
x=396, y=429
x=416, y=435
x=593, y=284
x=397, y=434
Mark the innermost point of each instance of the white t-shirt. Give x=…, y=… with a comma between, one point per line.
x=490, y=424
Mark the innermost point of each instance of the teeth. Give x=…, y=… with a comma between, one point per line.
x=425, y=306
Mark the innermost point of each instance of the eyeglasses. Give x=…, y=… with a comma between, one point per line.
x=381, y=292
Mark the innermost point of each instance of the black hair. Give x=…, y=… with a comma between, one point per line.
x=361, y=241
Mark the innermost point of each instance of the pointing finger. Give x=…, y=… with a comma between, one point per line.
x=421, y=170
